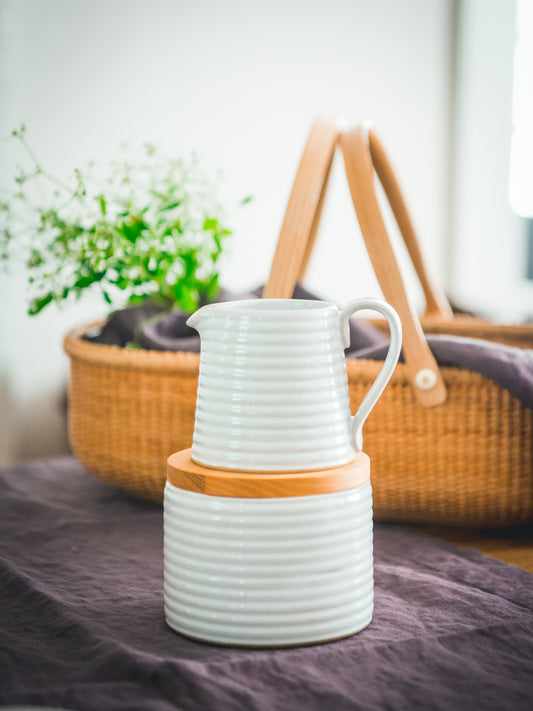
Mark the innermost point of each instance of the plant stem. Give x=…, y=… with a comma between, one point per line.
x=39, y=170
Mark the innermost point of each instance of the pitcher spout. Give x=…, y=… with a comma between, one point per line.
x=195, y=320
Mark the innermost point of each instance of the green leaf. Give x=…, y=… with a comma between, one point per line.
x=37, y=305
x=135, y=299
x=83, y=282
x=132, y=229
x=210, y=224
x=216, y=240
x=162, y=245
x=190, y=262
x=211, y=288
x=122, y=282
x=186, y=297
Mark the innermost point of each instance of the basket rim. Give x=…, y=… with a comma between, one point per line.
x=187, y=363
x=471, y=327
x=77, y=348
x=475, y=325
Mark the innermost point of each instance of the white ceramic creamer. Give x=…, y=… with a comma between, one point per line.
x=273, y=390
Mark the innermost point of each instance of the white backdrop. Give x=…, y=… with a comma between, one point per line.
x=240, y=83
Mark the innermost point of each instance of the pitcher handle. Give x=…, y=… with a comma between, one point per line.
x=378, y=386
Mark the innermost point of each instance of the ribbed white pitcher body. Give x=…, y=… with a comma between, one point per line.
x=268, y=571
x=272, y=390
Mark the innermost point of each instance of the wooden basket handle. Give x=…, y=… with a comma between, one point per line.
x=421, y=365
x=437, y=305
x=300, y=225
x=303, y=212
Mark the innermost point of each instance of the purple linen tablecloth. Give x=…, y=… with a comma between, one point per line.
x=82, y=624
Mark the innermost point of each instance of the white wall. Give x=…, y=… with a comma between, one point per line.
x=489, y=245
x=239, y=82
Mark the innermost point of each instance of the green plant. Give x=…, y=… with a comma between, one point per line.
x=149, y=230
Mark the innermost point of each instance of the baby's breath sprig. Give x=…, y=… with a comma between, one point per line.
x=152, y=230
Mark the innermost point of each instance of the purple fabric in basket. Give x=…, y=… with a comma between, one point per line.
x=511, y=368
x=82, y=624
x=160, y=331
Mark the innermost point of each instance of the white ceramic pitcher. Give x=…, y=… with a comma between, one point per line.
x=273, y=390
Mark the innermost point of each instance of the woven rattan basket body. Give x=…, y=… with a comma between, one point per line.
x=468, y=461
x=129, y=410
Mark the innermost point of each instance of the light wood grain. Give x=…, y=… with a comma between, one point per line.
x=302, y=216
x=183, y=473
x=437, y=306
x=360, y=175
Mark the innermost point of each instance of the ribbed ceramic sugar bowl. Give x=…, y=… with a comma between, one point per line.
x=269, y=568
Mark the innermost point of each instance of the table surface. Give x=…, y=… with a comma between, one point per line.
x=82, y=623
x=512, y=545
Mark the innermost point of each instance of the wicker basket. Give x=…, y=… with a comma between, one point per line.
x=462, y=454
x=129, y=410
x=467, y=461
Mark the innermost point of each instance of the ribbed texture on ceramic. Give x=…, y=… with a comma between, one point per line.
x=272, y=392
x=268, y=572
x=466, y=462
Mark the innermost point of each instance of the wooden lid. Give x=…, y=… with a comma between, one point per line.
x=183, y=473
